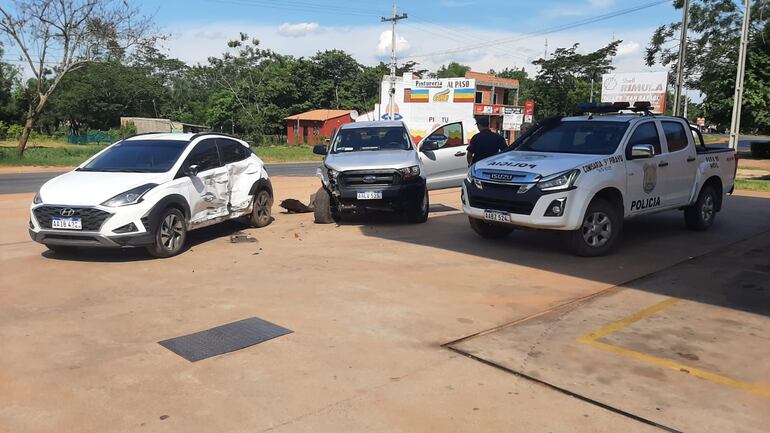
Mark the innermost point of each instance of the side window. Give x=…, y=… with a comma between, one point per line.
x=205, y=155
x=676, y=136
x=232, y=151
x=646, y=133
x=448, y=135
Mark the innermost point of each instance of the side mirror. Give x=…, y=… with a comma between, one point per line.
x=191, y=170
x=428, y=145
x=641, y=151
x=320, y=149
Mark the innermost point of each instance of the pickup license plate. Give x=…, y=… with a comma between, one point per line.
x=67, y=223
x=498, y=216
x=369, y=195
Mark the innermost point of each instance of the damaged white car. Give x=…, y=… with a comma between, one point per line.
x=149, y=190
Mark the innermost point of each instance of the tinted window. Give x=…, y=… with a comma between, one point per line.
x=590, y=137
x=448, y=135
x=676, y=136
x=147, y=156
x=646, y=133
x=204, y=155
x=232, y=151
x=371, y=139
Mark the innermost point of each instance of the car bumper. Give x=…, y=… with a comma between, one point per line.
x=529, y=209
x=395, y=197
x=90, y=239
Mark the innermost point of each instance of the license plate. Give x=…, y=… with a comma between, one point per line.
x=369, y=195
x=67, y=223
x=496, y=215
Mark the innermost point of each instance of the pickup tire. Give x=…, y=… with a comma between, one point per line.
x=600, y=229
x=700, y=216
x=323, y=211
x=489, y=230
x=419, y=214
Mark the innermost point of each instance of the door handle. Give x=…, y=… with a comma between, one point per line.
x=691, y=159
x=460, y=153
x=663, y=164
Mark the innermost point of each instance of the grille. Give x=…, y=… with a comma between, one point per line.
x=91, y=218
x=513, y=189
x=356, y=178
x=517, y=207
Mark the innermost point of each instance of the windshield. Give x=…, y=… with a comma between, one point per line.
x=378, y=138
x=140, y=156
x=589, y=137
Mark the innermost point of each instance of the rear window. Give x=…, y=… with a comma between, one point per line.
x=232, y=151
x=676, y=136
x=590, y=137
x=371, y=139
x=142, y=156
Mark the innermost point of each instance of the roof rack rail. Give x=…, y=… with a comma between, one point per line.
x=143, y=133
x=201, y=134
x=614, y=107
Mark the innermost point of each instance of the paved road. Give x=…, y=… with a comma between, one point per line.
x=11, y=183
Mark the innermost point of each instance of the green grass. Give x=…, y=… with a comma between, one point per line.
x=62, y=156
x=67, y=155
x=753, y=185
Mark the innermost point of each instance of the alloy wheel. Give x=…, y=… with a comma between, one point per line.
x=597, y=229
x=171, y=232
x=262, y=204
x=707, y=208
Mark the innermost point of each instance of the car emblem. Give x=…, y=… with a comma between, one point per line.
x=369, y=178
x=67, y=212
x=501, y=177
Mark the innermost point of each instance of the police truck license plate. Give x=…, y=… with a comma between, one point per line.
x=67, y=223
x=369, y=195
x=496, y=215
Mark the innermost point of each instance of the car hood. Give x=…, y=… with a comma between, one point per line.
x=91, y=188
x=369, y=160
x=535, y=163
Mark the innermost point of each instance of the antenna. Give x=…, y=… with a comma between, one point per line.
x=393, y=20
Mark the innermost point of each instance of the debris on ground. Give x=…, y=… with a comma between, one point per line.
x=295, y=206
x=241, y=237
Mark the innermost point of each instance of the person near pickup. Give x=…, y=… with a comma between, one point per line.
x=486, y=143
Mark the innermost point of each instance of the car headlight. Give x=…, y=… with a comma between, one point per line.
x=37, y=199
x=409, y=172
x=332, y=173
x=132, y=196
x=559, y=181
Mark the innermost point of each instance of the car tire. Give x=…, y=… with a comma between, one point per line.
x=601, y=227
x=489, y=230
x=261, y=208
x=323, y=210
x=170, y=234
x=62, y=249
x=700, y=216
x=419, y=214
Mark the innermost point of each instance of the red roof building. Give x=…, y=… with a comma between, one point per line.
x=314, y=126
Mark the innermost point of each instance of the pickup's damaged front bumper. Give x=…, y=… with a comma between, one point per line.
x=407, y=195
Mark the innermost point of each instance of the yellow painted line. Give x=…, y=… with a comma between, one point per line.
x=592, y=338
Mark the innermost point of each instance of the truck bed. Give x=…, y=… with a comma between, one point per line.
x=702, y=150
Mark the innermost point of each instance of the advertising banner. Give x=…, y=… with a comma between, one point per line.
x=636, y=86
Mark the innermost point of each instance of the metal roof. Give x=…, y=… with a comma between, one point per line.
x=319, y=115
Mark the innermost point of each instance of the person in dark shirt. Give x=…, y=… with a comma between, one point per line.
x=486, y=143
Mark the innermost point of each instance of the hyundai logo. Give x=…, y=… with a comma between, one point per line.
x=369, y=178
x=67, y=212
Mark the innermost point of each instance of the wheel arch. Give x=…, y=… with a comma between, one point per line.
x=716, y=183
x=613, y=196
x=174, y=200
x=261, y=183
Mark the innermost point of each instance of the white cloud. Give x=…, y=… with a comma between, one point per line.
x=298, y=30
x=386, y=42
x=628, y=48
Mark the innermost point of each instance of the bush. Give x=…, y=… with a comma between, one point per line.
x=3, y=129
x=15, y=131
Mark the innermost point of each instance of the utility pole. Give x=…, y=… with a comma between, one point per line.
x=735, y=125
x=682, y=56
x=393, y=20
x=545, y=51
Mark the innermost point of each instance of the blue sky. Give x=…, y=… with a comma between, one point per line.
x=436, y=32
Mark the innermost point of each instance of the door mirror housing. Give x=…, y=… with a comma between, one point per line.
x=641, y=151
x=428, y=145
x=191, y=170
x=320, y=149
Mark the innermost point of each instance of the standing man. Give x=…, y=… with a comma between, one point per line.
x=486, y=143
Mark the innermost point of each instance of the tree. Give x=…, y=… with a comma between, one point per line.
x=452, y=70
x=712, y=57
x=564, y=79
x=9, y=80
x=58, y=37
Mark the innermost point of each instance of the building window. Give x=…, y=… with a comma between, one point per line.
x=295, y=128
x=494, y=98
x=316, y=130
x=479, y=97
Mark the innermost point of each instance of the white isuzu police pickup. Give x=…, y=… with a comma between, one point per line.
x=584, y=175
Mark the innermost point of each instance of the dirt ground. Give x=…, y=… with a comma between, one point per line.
x=373, y=304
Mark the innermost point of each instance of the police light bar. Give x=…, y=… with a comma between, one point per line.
x=602, y=107
x=642, y=106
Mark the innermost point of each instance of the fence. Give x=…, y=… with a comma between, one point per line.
x=97, y=138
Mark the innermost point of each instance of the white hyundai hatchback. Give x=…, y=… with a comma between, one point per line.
x=149, y=190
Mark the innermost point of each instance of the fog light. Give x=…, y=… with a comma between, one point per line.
x=128, y=228
x=32, y=226
x=556, y=208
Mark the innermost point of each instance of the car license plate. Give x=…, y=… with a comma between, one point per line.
x=496, y=215
x=67, y=223
x=369, y=195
